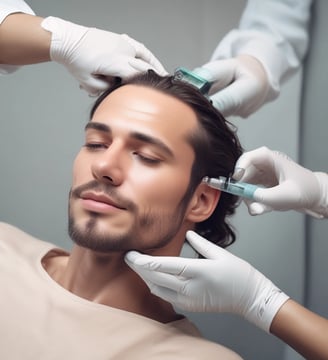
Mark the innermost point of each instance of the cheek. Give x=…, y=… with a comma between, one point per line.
x=80, y=170
x=165, y=189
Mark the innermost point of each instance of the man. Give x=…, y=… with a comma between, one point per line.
x=137, y=184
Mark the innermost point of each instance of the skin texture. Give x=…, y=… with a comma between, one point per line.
x=142, y=167
x=23, y=41
x=302, y=329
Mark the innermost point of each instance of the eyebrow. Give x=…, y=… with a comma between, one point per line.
x=135, y=135
x=97, y=126
x=152, y=141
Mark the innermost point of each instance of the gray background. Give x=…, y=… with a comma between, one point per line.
x=43, y=113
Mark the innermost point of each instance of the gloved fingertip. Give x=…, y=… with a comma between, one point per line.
x=131, y=256
x=220, y=105
x=204, y=73
x=135, y=258
x=139, y=65
x=238, y=173
x=163, y=72
x=91, y=92
x=192, y=235
x=256, y=209
x=94, y=94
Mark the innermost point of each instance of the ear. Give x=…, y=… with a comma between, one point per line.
x=203, y=203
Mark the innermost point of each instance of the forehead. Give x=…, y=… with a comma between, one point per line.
x=148, y=109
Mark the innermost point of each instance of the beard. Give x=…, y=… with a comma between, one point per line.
x=151, y=229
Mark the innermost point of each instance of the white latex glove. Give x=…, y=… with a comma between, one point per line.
x=240, y=84
x=94, y=56
x=290, y=186
x=219, y=283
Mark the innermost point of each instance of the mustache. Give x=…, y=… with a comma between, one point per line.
x=107, y=189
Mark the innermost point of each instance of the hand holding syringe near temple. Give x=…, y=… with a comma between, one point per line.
x=282, y=184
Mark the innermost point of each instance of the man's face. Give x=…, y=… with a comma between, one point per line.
x=130, y=177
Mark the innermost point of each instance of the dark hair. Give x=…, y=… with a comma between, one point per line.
x=215, y=143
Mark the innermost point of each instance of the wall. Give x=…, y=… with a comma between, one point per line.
x=42, y=117
x=314, y=130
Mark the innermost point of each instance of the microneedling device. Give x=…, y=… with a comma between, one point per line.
x=192, y=78
x=231, y=186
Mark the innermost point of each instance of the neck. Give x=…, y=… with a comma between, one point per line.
x=106, y=279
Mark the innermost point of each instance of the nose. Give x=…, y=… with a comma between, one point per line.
x=108, y=165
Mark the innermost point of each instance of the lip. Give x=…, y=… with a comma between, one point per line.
x=99, y=202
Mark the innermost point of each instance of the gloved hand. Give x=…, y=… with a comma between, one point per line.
x=95, y=56
x=291, y=186
x=219, y=283
x=240, y=85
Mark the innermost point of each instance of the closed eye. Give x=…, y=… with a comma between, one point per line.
x=95, y=146
x=147, y=159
